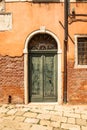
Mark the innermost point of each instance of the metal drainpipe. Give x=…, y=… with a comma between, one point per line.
x=65, y=48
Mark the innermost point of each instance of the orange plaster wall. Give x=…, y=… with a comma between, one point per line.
x=76, y=28
x=26, y=18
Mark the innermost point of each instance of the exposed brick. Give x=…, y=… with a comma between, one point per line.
x=11, y=79
x=76, y=84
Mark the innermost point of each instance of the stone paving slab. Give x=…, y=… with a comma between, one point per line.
x=43, y=117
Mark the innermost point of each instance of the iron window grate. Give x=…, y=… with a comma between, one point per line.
x=82, y=51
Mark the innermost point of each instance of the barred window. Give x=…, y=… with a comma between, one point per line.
x=82, y=50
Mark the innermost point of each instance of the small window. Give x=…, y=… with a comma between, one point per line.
x=81, y=50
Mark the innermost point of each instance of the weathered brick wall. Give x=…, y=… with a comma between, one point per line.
x=77, y=84
x=11, y=79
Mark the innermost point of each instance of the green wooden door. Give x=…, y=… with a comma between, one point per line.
x=43, y=77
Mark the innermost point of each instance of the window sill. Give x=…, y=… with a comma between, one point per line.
x=80, y=66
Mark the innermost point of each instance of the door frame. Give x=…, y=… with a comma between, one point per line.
x=59, y=73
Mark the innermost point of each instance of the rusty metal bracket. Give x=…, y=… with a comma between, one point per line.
x=72, y=18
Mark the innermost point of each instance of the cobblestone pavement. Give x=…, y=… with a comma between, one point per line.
x=43, y=117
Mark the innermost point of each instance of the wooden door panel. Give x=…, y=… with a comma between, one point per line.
x=50, y=76
x=43, y=77
x=36, y=76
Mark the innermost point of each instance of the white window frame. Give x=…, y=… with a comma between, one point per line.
x=76, y=52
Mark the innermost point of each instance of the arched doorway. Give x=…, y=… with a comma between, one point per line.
x=42, y=68
x=42, y=46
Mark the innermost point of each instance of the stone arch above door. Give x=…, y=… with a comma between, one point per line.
x=26, y=51
x=42, y=42
x=41, y=32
